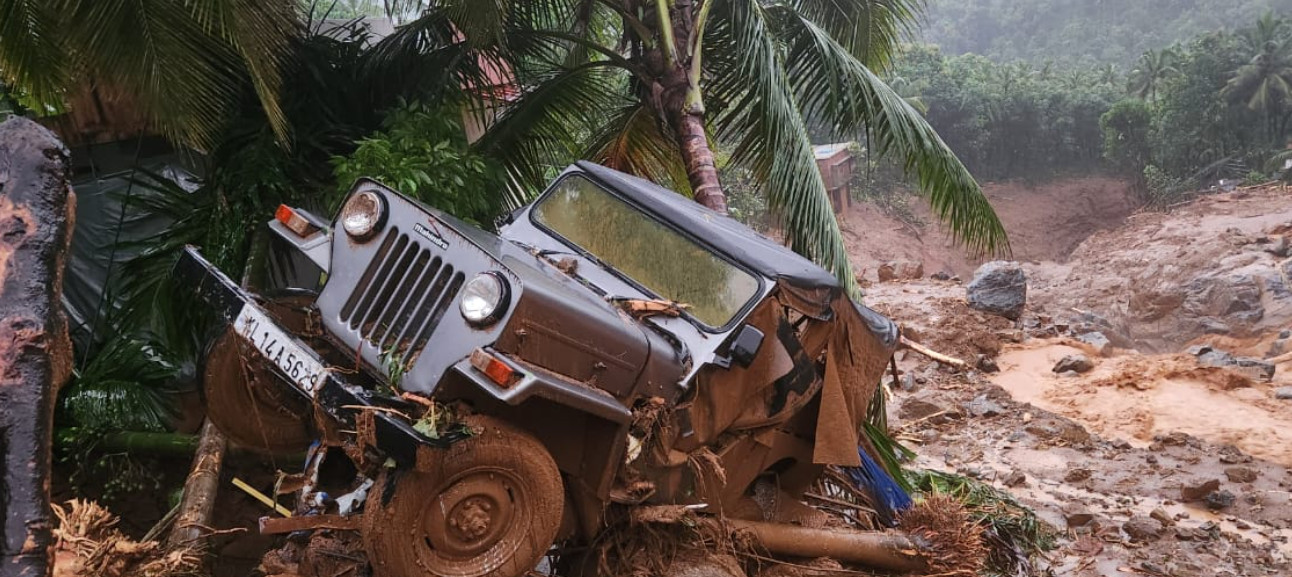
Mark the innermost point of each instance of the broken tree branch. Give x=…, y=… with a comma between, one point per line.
x=200, y=489
x=932, y=354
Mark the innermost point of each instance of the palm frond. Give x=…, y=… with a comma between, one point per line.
x=871, y=30
x=761, y=114
x=31, y=55
x=635, y=142
x=543, y=129
x=126, y=387
x=834, y=87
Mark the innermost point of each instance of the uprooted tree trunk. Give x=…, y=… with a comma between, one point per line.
x=36, y=219
x=200, y=489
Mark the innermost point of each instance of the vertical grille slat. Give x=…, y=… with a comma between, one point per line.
x=424, y=332
x=423, y=291
x=412, y=291
x=378, y=283
x=402, y=296
x=365, y=282
x=400, y=263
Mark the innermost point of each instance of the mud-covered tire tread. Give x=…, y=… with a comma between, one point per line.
x=393, y=511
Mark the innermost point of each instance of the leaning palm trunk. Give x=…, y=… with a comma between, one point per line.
x=701, y=171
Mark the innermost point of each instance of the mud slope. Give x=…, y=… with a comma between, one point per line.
x=1217, y=267
x=1045, y=223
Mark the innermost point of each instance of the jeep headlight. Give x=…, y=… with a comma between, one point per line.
x=484, y=299
x=362, y=215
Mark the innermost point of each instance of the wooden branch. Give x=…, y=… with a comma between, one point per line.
x=200, y=490
x=932, y=354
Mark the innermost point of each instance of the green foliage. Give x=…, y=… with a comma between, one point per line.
x=1015, y=120
x=123, y=387
x=1126, y=135
x=185, y=62
x=1014, y=534
x=1089, y=31
x=761, y=68
x=422, y=152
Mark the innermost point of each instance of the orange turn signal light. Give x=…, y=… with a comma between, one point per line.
x=294, y=222
x=497, y=371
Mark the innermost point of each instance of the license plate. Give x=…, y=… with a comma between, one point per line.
x=298, y=364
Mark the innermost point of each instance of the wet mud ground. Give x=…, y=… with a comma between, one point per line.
x=1138, y=481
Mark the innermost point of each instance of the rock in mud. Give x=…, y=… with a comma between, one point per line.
x=1097, y=340
x=1142, y=529
x=1077, y=363
x=1283, y=393
x=941, y=275
x=1241, y=474
x=987, y=364
x=1211, y=357
x=900, y=270
x=1197, y=492
x=1218, y=500
x=981, y=406
x=918, y=410
x=1161, y=516
x=999, y=288
x=1079, y=519
x=1077, y=475
x=1015, y=479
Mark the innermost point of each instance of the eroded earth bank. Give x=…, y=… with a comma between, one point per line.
x=1167, y=453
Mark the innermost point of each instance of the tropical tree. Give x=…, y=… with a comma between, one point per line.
x=645, y=87
x=1153, y=68
x=184, y=62
x=1264, y=84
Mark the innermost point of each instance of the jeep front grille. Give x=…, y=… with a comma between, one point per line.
x=401, y=298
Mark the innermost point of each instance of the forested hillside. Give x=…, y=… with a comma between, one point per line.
x=1103, y=31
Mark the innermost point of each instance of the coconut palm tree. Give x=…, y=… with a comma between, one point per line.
x=646, y=85
x=184, y=62
x=1264, y=84
x=1154, y=67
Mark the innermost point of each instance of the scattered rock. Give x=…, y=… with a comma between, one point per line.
x=1097, y=340
x=999, y=288
x=900, y=270
x=1161, y=516
x=1211, y=357
x=941, y=275
x=908, y=382
x=1217, y=500
x=1076, y=475
x=1277, y=348
x=1015, y=479
x=1279, y=247
x=1283, y=393
x=1285, y=334
x=1231, y=455
x=1078, y=363
x=1079, y=519
x=1241, y=474
x=981, y=406
x=987, y=364
x=917, y=410
x=1199, y=491
x=1141, y=529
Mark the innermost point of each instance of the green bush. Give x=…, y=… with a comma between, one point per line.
x=422, y=152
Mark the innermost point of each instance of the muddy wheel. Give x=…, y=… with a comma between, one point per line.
x=489, y=506
x=244, y=401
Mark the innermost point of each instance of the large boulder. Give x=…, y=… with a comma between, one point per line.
x=999, y=288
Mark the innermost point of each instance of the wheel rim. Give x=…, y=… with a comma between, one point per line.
x=477, y=520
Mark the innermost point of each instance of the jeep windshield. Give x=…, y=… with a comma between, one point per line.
x=654, y=256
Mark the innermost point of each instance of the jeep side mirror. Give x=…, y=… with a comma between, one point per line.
x=745, y=346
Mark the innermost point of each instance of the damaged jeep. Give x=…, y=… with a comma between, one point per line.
x=474, y=402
